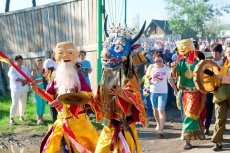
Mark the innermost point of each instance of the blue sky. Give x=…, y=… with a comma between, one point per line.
x=146, y=9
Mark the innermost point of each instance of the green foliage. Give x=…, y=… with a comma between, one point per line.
x=30, y=116
x=190, y=17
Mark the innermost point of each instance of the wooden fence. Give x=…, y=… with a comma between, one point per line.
x=33, y=31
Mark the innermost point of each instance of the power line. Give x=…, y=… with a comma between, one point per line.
x=110, y=12
x=121, y=10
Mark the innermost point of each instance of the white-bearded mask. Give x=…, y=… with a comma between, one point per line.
x=67, y=79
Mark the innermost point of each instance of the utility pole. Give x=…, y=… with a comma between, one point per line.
x=34, y=3
x=99, y=39
x=125, y=10
x=7, y=8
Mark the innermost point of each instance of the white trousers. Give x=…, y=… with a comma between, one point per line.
x=19, y=99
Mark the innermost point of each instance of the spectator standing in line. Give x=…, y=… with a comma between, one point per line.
x=85, y=66
x=37, y=75
x=19, y=90
x=167, y=56
x=50, y=66
x=207, y=48
x=85, y=69
x=175, y=55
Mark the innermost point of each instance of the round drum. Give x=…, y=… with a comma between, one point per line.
x=79, y=98
x=205, y=76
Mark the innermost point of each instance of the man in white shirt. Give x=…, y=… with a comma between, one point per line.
x=19, y=89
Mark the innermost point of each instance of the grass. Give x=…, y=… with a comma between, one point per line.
x=30, y=116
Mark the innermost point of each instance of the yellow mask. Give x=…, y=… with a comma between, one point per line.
x=185, y=46
x=66, y=51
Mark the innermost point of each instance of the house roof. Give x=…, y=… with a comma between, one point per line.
x=163, y=24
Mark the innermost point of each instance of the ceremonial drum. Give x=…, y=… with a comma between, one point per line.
x=205, y=76
x=79, y=98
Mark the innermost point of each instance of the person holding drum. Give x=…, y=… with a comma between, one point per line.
x=221, y=98
x=189, y=99
x=216, y=51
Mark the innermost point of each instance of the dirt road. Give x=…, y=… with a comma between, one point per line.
x=150, y=143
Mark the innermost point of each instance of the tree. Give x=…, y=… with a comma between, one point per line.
x=7, y=8
x=190, y=17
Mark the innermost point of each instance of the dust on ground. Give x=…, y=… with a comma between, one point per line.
x=29, y=142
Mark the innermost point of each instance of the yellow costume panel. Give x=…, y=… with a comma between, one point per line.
x=82, y=129
x=104, y=142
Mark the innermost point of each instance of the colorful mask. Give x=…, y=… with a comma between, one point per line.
x=66, y=51
x=185, y=46
x=117, y=47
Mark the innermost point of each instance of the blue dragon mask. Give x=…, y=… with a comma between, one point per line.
x=118, y=44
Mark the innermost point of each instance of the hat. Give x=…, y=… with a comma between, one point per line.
x=49, y=63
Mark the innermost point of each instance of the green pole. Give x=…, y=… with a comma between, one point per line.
x=99, y=39
x=125, y=11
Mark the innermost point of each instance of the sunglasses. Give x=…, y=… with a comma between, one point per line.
x=158, y=61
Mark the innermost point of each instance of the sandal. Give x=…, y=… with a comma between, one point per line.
x=187, y=146
x=217, y=147
x=40, y=122
x=157, y=128
x=12, y=122
x=161, y=136
x=206, y=132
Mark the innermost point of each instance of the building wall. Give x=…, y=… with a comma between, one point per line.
x=31, y=32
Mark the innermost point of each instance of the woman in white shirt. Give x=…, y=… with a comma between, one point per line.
x=159, y=75
x=19, y=89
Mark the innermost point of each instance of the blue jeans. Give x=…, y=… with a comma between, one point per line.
x=148, y=105
x=171, y=98
x=158, y=100
x=209, y=108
